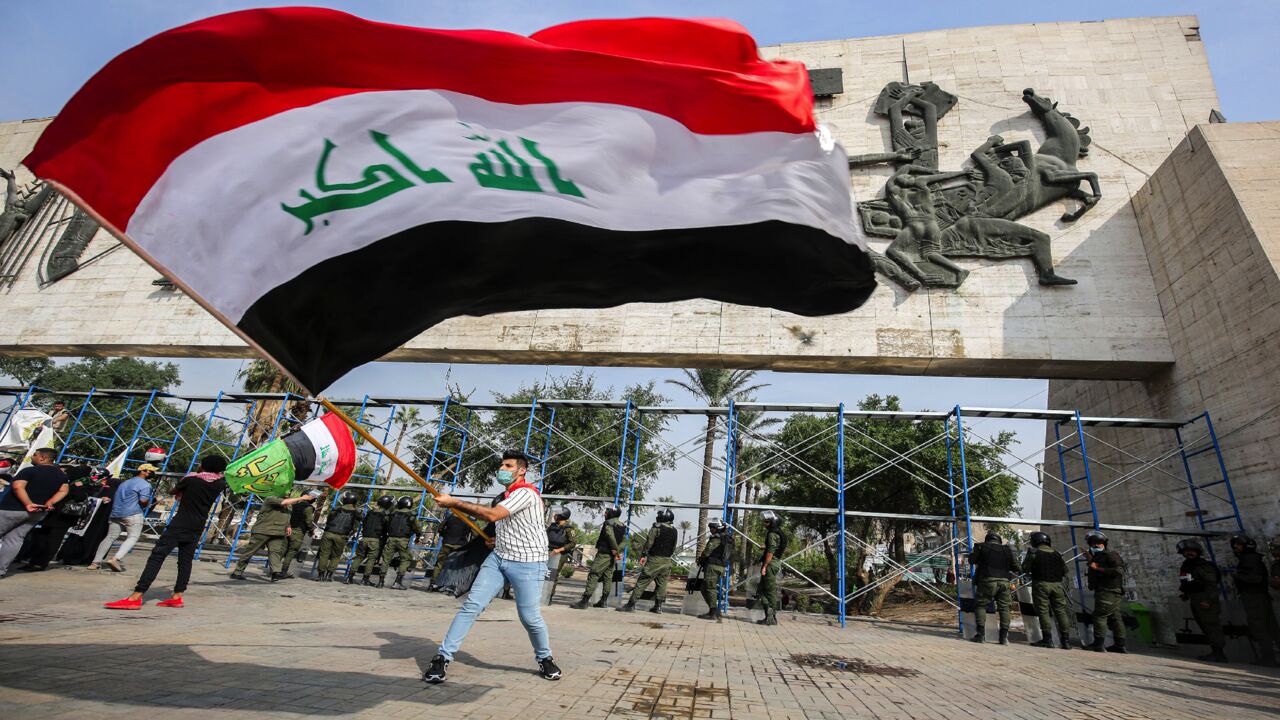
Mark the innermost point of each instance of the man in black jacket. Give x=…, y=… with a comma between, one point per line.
x=1106, y=580
x=1047, y=571
x=994, y=566
x=1252, y=579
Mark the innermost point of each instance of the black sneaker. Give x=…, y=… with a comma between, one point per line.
x=436, y=673
x=550, y=670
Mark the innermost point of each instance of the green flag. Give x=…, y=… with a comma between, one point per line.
x=266, y=471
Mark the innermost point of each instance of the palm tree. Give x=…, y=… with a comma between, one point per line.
x=715, y=387
x=749, y=449
x=260, y=376
x=409, y=419
x=685, y=527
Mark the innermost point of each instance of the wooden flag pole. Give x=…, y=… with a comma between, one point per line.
x=400, y=463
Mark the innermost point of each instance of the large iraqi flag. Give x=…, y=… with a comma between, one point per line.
x=330, y=187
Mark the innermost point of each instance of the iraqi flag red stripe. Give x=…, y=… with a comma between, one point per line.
x=154, y=102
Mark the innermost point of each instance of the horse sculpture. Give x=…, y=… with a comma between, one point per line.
x=932, y=217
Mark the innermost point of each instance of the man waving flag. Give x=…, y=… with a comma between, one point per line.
x=274, y=163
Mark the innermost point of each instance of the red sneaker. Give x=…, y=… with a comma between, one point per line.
x=171, y=602
x=125, y=604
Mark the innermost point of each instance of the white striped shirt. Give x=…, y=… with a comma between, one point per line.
x=522, y=536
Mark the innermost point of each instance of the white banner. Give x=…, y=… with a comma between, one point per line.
x=22, y=428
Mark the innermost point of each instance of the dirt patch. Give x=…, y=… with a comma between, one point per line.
x=852, y=665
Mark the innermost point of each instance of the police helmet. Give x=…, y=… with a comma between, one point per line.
x=405, y=502
x=716, y=527
x=385, y=501
x=1039, y=538
x=1245, y=541
x=100, y=474
x=771, y=519
x=665, y=515
x=1190, y=544
x=1096, y=537
x=348, y=498
x=612, y=511
x=561, y=513
x=993, y=538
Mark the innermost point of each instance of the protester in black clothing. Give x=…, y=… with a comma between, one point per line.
x=33, y=492
x=81, y=549
x=196, y=494
x=45, y=541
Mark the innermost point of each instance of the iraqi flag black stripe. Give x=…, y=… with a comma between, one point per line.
x=303, y=452
x=432, y=272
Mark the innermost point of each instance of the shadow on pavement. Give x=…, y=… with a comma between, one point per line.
x=176, y=676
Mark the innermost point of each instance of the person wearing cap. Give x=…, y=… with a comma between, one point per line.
x=713, y=560
x=1106, y=580
x=271, y=530
x=128, y=510
x=1198, y=580
x=562, y=538
x=1252, y=578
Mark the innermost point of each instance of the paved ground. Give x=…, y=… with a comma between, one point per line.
x=301, y=648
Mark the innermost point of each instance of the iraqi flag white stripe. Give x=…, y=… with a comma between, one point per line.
x=636, y=170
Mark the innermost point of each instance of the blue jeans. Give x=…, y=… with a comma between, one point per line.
x=526, y=580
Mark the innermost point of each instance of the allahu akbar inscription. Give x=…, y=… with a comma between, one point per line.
x=934, y=216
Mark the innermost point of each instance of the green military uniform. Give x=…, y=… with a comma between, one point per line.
x=1107, y=583
x=269, y=531
x=994, y=565
x=562, y=537
x=1252, y=579
x=402, y=525
x=603, y=566
x=301, y=518
x=656, y=553
x=369, y=550
x=1198, y=585
x=1048, y=594
x=341, y=524
x=715, y=556
x=775, y=542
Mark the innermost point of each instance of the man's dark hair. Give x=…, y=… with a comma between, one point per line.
x=521, y=459
x=213, y=463
x=59, y=402
x=46, y=453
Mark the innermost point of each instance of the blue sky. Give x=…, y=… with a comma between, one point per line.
x=51, y=48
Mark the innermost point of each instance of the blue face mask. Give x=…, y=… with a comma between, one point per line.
x=1096, y=550
x=506, y=477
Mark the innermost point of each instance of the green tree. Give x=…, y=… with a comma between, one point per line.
x=685, y=527
x=409, y=419
x=584, y=448
x=915, y=487
x=27, y=371
x=714, y=387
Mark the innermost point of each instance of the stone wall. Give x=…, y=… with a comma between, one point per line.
x=1140, y=84
x=1210, y=222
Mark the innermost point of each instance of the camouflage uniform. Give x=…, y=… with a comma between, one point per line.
x=269, y=531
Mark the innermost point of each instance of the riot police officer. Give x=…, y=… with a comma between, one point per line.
x=655, y=556
x=1106, y=580
x=713, y=560
x=373, y=530
x=608, y=553
x=1047, y=571
x=337, y=531
x=994, y=566
x=301, y=521
x=562, y=538
x=1198, y=580
x=1251, y=583
x=402, y=525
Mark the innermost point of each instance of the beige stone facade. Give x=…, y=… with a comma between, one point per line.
x=1139, y=84
x=1210, y=221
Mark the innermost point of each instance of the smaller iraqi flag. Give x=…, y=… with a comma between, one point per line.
x=298, y=171
x=322, y=450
